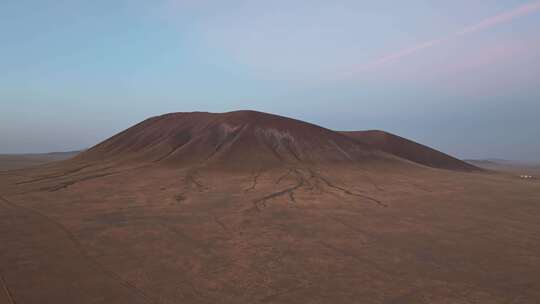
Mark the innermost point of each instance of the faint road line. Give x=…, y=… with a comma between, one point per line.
x=6, y=290
x=113, y=275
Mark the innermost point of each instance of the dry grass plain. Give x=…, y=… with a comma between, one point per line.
x=366, y=233
x=20, y=161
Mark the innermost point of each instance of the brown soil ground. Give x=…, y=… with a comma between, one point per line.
x=376, y=230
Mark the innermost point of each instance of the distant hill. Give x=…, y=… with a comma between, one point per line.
x=512, y=166
x=19, y=161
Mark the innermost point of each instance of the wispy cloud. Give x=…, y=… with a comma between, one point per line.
x=477, y=27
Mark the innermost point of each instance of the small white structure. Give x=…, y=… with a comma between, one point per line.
x=526, y=176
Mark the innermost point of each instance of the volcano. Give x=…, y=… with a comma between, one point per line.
x=251, y=139
x=246, y=138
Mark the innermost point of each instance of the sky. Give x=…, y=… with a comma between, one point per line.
x=462, y=76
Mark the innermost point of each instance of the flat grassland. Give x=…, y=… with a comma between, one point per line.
x=20, y=161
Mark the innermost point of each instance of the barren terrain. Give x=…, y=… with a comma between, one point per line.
x=263, y=213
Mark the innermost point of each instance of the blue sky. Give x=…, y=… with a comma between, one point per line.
x=461, y=76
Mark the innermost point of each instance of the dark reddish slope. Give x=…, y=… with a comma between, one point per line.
x=253, y=139
x=245, y=138
x=407, y=149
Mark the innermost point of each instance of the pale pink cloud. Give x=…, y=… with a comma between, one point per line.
x=501, y=18
x=403, y=53
x=477, y=27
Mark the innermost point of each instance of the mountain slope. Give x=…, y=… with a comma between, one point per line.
x=407, y=149
x=250, y=139
x=245, y=138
